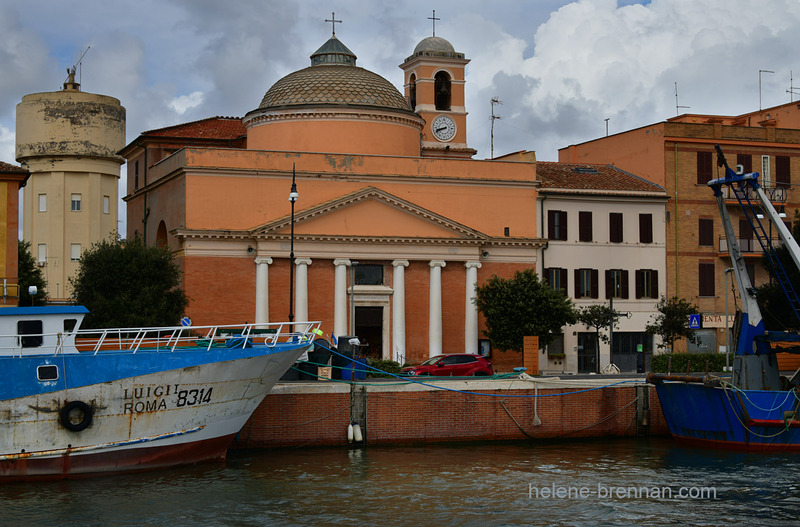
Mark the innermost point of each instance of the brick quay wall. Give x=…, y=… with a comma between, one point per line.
x=317, y=413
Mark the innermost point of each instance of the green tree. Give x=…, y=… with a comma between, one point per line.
x=520, y=306
x=599, y=316
x=28, y=274
x=775, y=307
x=672, y=321
x=125, y=283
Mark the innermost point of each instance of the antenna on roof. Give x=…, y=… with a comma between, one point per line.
x=677, y=106
x=792, y=90
x=495, y=100
x=70, y=83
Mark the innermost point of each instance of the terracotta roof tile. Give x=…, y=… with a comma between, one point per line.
x=591, y=177
x=211, y=128
x=8, y=168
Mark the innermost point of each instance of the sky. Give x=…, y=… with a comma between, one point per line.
x=564, y=72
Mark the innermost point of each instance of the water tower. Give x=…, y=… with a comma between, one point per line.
x=68, y=140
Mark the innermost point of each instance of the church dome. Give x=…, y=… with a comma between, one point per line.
x=333, y=79
x=334, y=106
x=434, y=44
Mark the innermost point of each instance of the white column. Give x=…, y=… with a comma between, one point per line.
x=435, y=314
x=471, y=310
x=340, y=297
x=262, y=289
x=301, y=289
x=399, y=311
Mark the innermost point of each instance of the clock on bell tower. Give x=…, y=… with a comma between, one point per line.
x=434, y=87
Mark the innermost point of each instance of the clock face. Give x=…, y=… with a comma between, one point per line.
x=444, y=128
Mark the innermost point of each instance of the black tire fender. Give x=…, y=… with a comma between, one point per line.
x=75, y=416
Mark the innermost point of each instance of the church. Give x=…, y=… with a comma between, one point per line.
x=339, y=198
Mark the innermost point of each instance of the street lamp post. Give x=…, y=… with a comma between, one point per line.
x=293, y=195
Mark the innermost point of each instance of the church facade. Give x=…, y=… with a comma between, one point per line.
x=342, y=200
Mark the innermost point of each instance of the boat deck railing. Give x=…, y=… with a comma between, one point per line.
x=165, y=339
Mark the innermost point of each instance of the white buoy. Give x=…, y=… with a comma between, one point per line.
x=357, y=433
x=350, y=433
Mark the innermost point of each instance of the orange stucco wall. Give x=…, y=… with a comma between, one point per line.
x=339, y=135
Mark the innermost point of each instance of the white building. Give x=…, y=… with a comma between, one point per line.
x=606, y=244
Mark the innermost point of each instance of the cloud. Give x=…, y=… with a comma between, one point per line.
x=185, y=102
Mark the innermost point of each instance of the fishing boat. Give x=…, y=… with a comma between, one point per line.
x=77, y=402
x=755, y=409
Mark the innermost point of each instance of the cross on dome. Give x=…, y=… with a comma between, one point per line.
x=333, y=22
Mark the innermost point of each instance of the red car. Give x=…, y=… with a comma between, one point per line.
x=452, y=364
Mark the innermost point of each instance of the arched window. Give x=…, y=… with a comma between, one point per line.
x=161, y=235
x=442, y=90
x=412, y=92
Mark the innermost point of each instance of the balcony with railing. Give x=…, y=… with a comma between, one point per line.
x=776, y=194
x=749, y=247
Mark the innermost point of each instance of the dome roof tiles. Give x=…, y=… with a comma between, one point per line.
x=334, y=84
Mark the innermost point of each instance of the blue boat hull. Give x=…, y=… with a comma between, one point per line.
x=721, y=416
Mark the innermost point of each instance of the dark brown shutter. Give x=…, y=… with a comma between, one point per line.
x=624, y=284
x=563, y=225
x=783, y=176
x=639, y=276
x=609, y=283
x=594, y=282
x=654, y=282
x=645, y=228
x=551, y=224
x=746, y=160
x=705, y=234
x=585, y=226
x=615, y=227
x=704, y=167
x=577, y=283
x=563, y=273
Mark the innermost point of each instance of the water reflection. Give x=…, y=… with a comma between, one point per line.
x=471, y=484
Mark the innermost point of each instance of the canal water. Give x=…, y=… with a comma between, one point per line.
x=609, y=482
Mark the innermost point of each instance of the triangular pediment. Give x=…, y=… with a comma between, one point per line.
x=370, y=212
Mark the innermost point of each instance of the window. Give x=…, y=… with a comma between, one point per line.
x=615, y=227
x=646, y=283
x=705, y=232
x=136, y=175
x=585, y=226
x=706, y=279
x=746, y=160
x=782, y=171
x=556, y=346
x=41, y=258
x=586, y=283
x=75, y=252
x=746, y=242
x=31, y=332
x=42, y=202
x=412, y=92
x=616, y=283
x=106, y=204
x=368, y=274
x=556, y=224
x=645, y=228
x=76, y=202
x=766, y=177
x=441, y=85
x=704, y=167
x=557, y=278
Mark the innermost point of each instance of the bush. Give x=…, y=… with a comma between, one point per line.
x=386, y=365
x=695, y=361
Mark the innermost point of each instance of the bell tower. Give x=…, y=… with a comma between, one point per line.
x=434, y=87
